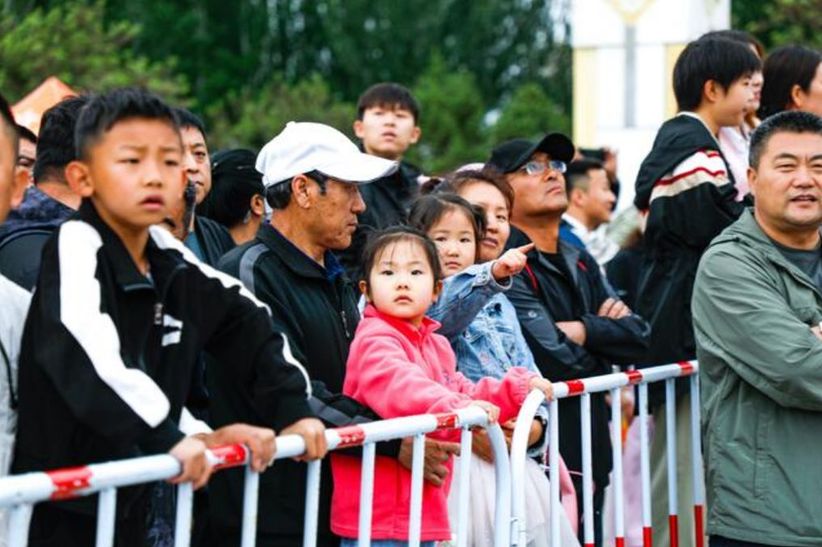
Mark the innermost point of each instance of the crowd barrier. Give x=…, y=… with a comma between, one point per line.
x=20, y=492
x=611, y=383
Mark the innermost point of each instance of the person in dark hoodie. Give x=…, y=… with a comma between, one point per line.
x=48, y=203
x=388, y=125
x=207, y=239
x=687, y=189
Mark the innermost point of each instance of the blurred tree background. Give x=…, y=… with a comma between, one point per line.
x=482, y=71
x=250, y=66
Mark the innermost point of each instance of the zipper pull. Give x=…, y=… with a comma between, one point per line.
x=158, y=313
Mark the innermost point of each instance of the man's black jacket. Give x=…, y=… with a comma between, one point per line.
x=573, y=289
x=108, y=354
x=387, y=201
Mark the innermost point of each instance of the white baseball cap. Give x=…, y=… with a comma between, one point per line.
x=304, y=146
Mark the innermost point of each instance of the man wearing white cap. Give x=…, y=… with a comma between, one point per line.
x=311, y=173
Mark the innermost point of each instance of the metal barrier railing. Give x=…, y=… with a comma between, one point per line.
x=20, y=492
x=611, y=383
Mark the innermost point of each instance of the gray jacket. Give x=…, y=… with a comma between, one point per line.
x=761, y=374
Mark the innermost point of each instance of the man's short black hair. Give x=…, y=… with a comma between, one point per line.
x=791, y=121
x=26, y=134
x=576, y=176
x=187, y=118
x=9, y=125
x=388, y=95
x=55, y=146
x=103, y=111
x=784, y=68
x=723, y=61
x=278, y=195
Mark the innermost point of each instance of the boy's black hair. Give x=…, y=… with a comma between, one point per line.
x=723, y=61
x=9, y=125
x=103, y=111
x=784, y=68
x=234, y=182
x=426, y=211
x=55, y=146
x=576, y=176
x=740, y=36
x=26, y=134
x=187, y=118
x=791, y=121
x=388, y=95
x=378, y=241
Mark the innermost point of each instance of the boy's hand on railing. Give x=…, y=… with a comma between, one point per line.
x=191, y=453
x=312, y=431
x=544, y=386
x=511, y=262
x=436, y=454
x=260, y=440
x=491, y=409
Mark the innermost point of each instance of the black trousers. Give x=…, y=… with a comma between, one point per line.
x=55, y=527
x=719, y=541
x=599, y=502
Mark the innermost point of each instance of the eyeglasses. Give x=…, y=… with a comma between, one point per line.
x=539, y=167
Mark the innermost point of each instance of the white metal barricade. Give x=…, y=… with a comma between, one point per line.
x=611, y=383
x=20, y=492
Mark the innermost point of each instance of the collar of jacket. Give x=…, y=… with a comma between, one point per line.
x=126, y=274
x=415, y=335
x=569, y=253
x=746, y=231
x=296, y=260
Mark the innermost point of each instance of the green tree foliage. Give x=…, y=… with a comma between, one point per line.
x=252, y=118
x=529, y=113
x=780, y=22
x=72, y=43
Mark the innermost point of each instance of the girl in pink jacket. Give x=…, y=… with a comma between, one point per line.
x=398, y=366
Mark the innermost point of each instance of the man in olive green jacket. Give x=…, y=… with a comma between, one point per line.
x=757, y=307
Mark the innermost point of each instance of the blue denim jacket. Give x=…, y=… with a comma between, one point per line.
x=482, y=326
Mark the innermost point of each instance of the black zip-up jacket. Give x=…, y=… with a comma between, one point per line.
x=317, y=308
x=682, y=221
x=387, y=201
x=544, y=294
x=108, y=354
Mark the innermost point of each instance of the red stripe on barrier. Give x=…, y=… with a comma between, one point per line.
x=673, y=530
x=634, y=376
x=687, y=367
x=589, y=545
x=352, y=435
x=230, y=456
x=647, y=536
x=575, y=387
x=447, y=421
x=619, y=542
x=699, y=526
x=67, y=482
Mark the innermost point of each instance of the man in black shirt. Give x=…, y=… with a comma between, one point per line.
x=574, y=324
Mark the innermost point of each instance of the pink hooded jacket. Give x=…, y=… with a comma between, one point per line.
x=397, y=370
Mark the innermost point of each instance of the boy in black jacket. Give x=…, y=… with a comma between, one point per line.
x=688, y=190
x=119, y=316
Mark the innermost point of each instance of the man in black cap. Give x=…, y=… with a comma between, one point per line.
x=573, y=322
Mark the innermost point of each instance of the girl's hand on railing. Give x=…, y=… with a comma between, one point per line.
x=191, y=453
x=491, y=409
x=544, y=386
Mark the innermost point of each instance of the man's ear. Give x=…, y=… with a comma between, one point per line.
x=577, y=197
x=752, y=180
x=300, y=191
x=79, y=179
x=359, y=130
x=18, y=186
x=257, y=205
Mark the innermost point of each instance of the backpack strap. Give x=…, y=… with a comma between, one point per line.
x=532, y=278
